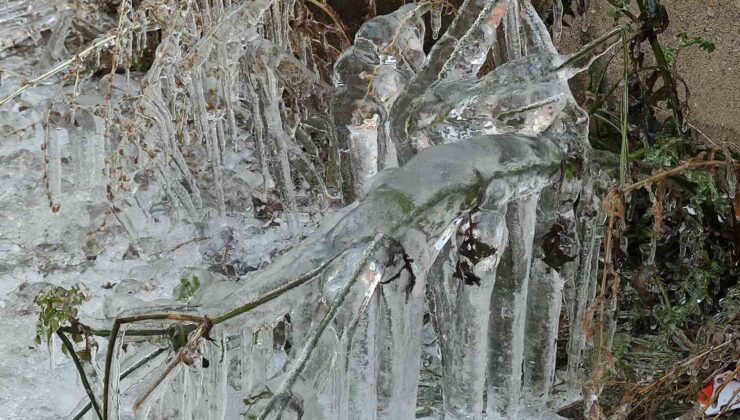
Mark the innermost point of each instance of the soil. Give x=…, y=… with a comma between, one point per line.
x=713, y=78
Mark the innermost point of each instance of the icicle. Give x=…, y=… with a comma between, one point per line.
x=509, y=310
x=437, y=19
x=472, y=49
x=557, y=21
x=543, y=317
x=402, y=307
x=269, y=95
x=513, y=35
x=369, y=76
x=363, y=139
x=586, y=285
x=115, y=373
x=255, y=357
x=462, y=309
x=364, y=363
x=209, y=134
x=538, y=36
x=53, y=165
x=51, y=346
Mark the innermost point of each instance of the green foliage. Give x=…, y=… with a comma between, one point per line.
x=685, y=42
x=664, y=152
x=704, y=44
x=705, y=190
x=730, y=305
x=59, y=307
x=677, y=254
x=188, y=286
x=178, y=336
x=616, y=12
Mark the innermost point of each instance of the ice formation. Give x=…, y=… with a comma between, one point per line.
x=463, y=214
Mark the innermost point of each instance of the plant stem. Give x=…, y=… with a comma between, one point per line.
x=125, y=374
x=572, y=58
x=131, y=333
x=273, y=293
x=329, y=11
x=624, y=150
x=58, y=68
x=280, y=399
x=604, y=276
x=665, y=73
x=170, y=367
x=112, y=344
x=80, y=369
x=622, y=10
x=675, y=171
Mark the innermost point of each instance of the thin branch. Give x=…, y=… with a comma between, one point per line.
x=131, y=369
x=58, y=68
x=668, y=375
x=691, y=164
x=280, y=399
x=665, y=74
x=192, y=344
x=183, y=317
x=154, y=332
x=112, y=344
x=83, y=377
x=329, y=11
x=231, y=314
x=623, y=10
x=624, y=150
x=275, y=292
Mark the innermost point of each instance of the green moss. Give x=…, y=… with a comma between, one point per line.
x=393, y=197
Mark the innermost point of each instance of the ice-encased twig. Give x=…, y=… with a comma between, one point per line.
x=443, y=49
x=557, y=21
x=413, y=205
x=280, y=400
x=369, y=76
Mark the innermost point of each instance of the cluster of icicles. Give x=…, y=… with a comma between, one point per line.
x=462, y=216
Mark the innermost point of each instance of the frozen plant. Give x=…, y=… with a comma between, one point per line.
x=455, y=207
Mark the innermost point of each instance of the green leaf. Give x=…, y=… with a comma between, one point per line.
x=684, y=42
x=59, y=307
x=670, y=55
x=188, y=286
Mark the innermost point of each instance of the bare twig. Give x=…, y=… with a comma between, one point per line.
x=80, y=369
x=691, y=164
x=329, y=11
x=637, y=391
x=281, y=397
x=58, y=68
x=181, y=355
x=112, y=343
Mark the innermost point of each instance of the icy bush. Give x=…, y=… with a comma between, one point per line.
x=195, y=172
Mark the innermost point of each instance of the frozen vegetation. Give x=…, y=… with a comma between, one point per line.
x=391, y=236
